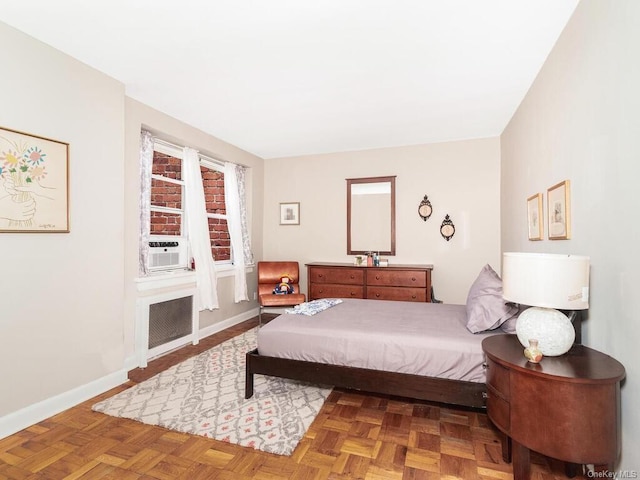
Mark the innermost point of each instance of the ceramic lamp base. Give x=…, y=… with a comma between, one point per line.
x=552, y=329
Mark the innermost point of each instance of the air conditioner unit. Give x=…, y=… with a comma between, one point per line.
x=167, y=254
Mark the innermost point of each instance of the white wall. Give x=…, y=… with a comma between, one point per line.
x=62, y=295
x=580, y=122
x=462, y=179
x=68, y=311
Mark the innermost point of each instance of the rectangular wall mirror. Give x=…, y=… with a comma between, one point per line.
x=371, y=215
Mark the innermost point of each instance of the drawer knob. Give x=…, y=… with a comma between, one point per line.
x=352, y=277
x=377, y=277
x=321, y=291
x=485, y=365
x=320, y=275
x=413, y=296
x=485, y=395
x=413, y=279
x=377, y=295
x=353, y=294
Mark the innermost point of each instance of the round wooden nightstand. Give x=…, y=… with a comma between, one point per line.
x=565, y=407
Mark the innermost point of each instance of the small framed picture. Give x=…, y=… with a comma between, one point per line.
x=534, y=217
x=290, y=213
x=559, y=211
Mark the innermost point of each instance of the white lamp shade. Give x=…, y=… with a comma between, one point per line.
x=546, y=280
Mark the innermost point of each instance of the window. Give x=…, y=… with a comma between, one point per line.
x=213, y=183
x=168, y=207
x=167, y=187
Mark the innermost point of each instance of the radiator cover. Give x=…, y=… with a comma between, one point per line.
x=169, y=320
x=165, y=319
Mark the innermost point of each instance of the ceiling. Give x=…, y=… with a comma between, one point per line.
x=280, y=78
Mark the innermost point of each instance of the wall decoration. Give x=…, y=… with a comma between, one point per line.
x=559, y=211
x=425, y=209
x=34, y=183
x=290, y=213
x=534, y=217
x=447, y=229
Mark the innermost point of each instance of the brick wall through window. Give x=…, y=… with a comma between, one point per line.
x=213, y=183
x=166, y=194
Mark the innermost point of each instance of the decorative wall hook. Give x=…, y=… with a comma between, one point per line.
x=425, y=209
x=447, y=229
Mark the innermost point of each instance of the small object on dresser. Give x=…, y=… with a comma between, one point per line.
x=369, y=259
x=532, y=352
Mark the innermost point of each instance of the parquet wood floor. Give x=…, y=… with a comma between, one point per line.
x=355, y=436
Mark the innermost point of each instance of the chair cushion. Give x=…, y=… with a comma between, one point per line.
x=272, y=300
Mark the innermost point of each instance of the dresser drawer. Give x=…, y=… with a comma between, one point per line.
x=498, y=378
x=498, y=410
x=348, y=276
x=397, y=278
x=330, y=290
x=397, y=293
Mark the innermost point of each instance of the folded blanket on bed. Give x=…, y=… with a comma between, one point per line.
x=311, y=308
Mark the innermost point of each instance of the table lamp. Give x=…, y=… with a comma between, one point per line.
x=546, y=282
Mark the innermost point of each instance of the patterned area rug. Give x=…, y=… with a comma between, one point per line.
x=204, y=395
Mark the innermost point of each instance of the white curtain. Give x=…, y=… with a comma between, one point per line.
x=146, y=164
x=198, y=229
x=234, y=222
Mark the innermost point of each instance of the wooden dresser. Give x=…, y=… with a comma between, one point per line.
x=410, y=283
x=565, y=407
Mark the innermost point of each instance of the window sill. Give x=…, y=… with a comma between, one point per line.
x=180, y=278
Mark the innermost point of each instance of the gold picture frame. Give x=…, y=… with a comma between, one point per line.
x=535, y=217
x=559, y=211
x=34, y=183
x=290, y=213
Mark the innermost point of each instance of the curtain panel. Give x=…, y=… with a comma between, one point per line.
x=241, y=173
x=198, y=230
x=146, y=164
x=234, y=223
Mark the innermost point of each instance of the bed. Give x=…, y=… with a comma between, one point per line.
x=396, y=348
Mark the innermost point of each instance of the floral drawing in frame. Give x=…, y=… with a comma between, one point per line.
x=34, y=183
x=559, y=211
x=534, y=217
x=290, y=213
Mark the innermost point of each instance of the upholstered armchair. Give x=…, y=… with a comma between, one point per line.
x=269, y=278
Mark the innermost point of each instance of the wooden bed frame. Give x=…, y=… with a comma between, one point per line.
x=442, y=390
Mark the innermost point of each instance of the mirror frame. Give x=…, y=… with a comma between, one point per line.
x=392, y=181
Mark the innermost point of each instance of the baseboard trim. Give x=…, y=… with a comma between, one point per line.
x=23, y=418
x=229, y=322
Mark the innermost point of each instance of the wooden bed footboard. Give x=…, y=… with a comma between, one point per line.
x=454, y=392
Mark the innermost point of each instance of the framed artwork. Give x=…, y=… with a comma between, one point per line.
x=290, y=213
x=534, y=217
x=559, y=211
x=34, y=183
